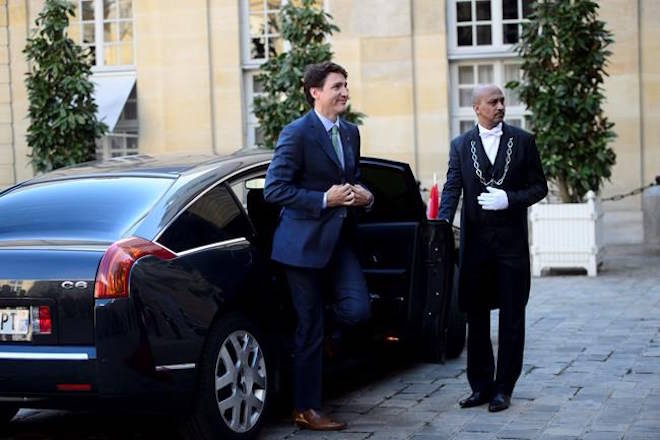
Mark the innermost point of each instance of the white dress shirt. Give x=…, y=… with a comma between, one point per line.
x=490, y=139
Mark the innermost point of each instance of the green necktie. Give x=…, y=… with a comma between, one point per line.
x=334, y=135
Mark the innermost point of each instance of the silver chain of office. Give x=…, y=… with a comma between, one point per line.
x=477, y=169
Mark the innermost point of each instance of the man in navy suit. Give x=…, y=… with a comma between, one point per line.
x=314, y=176
x=497, y=168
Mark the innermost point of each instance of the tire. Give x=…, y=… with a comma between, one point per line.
x=235, y=385
x=7, y=412
x=457, y=323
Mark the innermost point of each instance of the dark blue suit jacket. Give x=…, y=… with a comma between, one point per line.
x=304, y=166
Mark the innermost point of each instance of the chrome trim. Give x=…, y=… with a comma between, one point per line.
x=175, y=367
x=93, y=248
x=222, y=180
x=212, y=245
x=48, y=355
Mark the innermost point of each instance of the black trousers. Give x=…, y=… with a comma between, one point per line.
x=350, y=306
x=505, y=275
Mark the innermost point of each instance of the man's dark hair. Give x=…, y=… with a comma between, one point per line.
x=315, y=75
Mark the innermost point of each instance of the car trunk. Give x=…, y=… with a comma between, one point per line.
x=60, y=278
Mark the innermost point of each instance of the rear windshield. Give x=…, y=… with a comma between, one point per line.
x=98, y=209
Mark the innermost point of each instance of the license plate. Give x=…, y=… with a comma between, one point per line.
x=14, y=321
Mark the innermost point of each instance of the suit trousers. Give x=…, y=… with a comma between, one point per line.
x=504, y=274
x=345, y=281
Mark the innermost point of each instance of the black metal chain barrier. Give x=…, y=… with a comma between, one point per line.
x=633, y=192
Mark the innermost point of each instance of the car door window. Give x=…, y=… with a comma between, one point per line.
x=395, y=193
x=213, y=218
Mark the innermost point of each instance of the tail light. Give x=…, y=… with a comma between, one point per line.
x=115, y=268
x=42, y=323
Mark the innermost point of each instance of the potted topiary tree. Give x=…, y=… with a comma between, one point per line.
x=63, y=124
x=306, y=28
x=564, y=53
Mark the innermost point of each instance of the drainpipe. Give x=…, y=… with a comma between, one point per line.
x=211, y=85
x=640, y=67
x=414, y=87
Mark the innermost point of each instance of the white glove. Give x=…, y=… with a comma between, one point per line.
x=493, y=200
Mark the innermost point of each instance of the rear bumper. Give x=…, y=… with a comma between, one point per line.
x=119, y=368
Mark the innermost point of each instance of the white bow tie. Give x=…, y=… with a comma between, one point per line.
x=495, y=131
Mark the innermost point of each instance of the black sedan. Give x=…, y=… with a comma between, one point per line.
x=144, y=283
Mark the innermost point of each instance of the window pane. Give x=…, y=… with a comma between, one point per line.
x=274, y=23
x=511, y=72
x=465, y=74
x=465, y=97
x=463, y=11
x=110, y=55
x=125, y=9
x=465, y=126
x=258, y=48
x=510, y=33
x=88, y=33
x=485, y=74
x=110, y=32
x=87, y=11
x=514, y=122
x=483, y=10
x=258, y=136
x=215, y=217
x=275, y=46
x=132, y=145
x=109, y=9
x=257, y=25
x=527, y=8
x=464, y=35
x=126, y=31
x=257, y=86
x=126, y=54
x=130, y=110
x=256, y=5
x=509, y=9
x=273, y=4
x=483, y=35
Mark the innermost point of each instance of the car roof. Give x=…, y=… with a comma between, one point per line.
x=170, y=165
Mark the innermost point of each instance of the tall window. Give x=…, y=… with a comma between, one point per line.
x=485, y=25
x=261, y=40
x=466, y=75
x=106, y=26
x=123, y=140
x=482, y=34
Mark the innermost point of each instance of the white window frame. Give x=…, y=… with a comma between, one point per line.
x=465, y=113
x=99, y=42
x=495, y=50
x=251, y=67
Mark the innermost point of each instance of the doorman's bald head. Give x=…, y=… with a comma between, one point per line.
x=484, y=90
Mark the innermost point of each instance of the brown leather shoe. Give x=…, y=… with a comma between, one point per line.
x=310, y=419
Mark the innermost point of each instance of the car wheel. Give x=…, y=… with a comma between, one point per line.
x=7, y=412
x=235, y=384
x=457, y=323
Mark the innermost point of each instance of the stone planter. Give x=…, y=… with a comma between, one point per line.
x=567, y=235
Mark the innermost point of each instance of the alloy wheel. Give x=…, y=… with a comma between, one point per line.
x=240, y=381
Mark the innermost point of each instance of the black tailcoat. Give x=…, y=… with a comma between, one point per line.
x=504, y=230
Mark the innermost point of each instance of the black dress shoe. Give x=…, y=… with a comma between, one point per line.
x=476, y=398
x=499, y=402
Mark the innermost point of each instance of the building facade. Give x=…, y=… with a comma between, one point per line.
x=176, y=76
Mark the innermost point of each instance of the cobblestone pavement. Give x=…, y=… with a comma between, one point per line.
x=591, y=371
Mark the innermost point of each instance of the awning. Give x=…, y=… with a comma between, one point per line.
x=110, y=93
